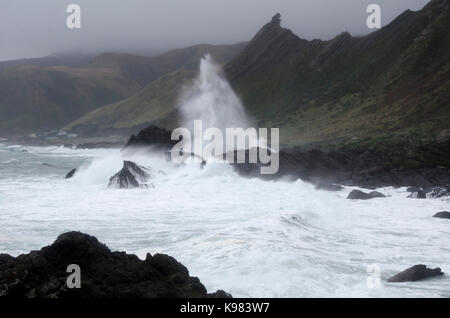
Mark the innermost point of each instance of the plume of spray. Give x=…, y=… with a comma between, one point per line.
x=211, y=99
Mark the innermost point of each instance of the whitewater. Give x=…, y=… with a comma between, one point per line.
x=250, y=237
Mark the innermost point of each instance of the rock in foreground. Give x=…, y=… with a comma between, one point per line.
x=103, y=273
x=360, y=195
x=414, y=273
x=442, y=215
x=130, y=176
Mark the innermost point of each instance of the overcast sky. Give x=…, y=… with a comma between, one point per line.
x=34, y=28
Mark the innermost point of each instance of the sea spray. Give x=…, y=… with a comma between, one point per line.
x=211, y=110
x=211, y=99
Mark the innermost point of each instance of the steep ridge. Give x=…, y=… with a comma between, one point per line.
x=389, y=87
x=381, y=86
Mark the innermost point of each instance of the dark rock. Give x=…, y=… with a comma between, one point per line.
x=421, y=194
x=152, y=136
x=359, y=195
x=104, y=274
x=355, y=167
x=442, y=215
x=414, y=273
x=71, y=173
x=439, y=192
x=131, y=176
x=5, y=259
x=219, y=294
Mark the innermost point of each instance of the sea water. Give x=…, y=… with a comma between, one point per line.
x=250, y=237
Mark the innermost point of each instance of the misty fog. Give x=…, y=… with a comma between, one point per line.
x=34, y=28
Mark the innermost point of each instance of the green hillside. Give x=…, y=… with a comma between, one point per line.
x=390, y=86
x=393, y=84
x=36, y=98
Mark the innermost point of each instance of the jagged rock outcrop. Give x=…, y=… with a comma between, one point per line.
x=439, y=192
x=360, y=195
x=152, y=136
x=71, y=173
x=432, y=193
x=131, y=176
x=442, y=215
x=353, y=167
x=104, y=274
x=415, y=273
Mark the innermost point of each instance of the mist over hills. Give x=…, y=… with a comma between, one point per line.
x=392, y=85
x=387, y=87
x=43, y=94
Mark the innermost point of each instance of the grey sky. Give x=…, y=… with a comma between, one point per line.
x=33, y=28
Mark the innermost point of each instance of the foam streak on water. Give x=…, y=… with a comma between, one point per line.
x=246, y=236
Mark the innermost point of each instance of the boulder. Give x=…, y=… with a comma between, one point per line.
x=414, y=273
x=131, y=176
x=104, y=274
x=5, y=259
x=71, y=173
x=152, y=136
x=413, y=189
x=360, y=195
x=442, y=215
x=421, y=194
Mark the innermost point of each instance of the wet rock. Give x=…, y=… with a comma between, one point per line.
x=219, y=294
x=439, y=192
x=71, y=173
x=442, y=215
x=152, y=136
x=360, y=195
x=415, y=273
x=131, y=176
x=104, y=274
x=421, y=194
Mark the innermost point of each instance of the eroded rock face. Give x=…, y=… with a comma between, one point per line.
x=360, y=195
x=103, y=273
x=442, y=215
x=414, y=273
x=131, y=176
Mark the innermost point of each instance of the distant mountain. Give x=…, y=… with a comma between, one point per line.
x=154, y=104
x=389, y=86
x=71, y=60
x=41, y=95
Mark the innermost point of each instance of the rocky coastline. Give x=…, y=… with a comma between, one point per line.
x=102, y=273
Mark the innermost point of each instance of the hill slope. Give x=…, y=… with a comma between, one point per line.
x=36, y=98
x=391, y=84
